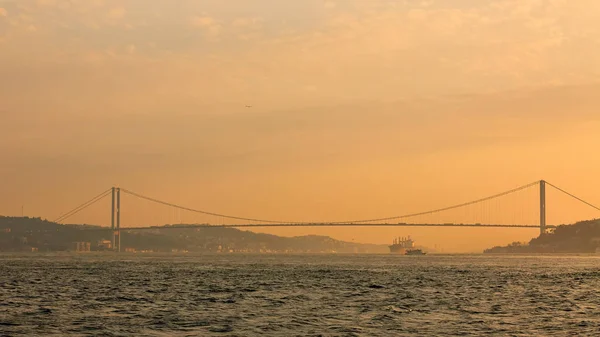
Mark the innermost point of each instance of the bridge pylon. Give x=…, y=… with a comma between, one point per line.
x=112, y=217
x=542, y=207
x=116, y=214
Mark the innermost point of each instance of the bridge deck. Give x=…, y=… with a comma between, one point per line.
x=324, y=225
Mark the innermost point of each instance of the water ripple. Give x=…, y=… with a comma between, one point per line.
x=310, y=295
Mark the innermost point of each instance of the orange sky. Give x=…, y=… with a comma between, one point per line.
x=360, y=108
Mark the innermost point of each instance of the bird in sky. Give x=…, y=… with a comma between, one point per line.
x=248, y=106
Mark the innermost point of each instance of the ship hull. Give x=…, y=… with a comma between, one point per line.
x=395, y=249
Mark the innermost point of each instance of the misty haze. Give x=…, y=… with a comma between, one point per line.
x=314, y=167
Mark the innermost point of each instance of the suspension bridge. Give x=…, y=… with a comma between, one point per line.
x=495, y=211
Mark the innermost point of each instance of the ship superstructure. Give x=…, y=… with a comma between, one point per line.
x=401, y=245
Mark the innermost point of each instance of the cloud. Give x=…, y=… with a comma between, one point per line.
x=329, y=4
x=246, y=22
x=210, y=26
x=203, y=21
x=117, y=13
x=376, y=50
x=489, y=46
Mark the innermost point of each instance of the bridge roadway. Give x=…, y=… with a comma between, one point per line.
x=319, y=225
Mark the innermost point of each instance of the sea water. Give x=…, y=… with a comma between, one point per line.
x=298, y=295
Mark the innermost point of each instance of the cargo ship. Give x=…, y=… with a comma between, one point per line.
x=402, y=245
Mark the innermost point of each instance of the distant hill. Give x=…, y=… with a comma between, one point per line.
x=36, y=234
x=582, y=237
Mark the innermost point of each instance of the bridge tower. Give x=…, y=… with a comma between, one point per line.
x=542, y=207
x=116, y=213
x=112, y=218
x=119, y=219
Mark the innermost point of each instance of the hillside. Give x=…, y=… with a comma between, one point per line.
x=35, y=234
x=582, y=237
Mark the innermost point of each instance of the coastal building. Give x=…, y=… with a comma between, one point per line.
x=104, y=245
x=81, y=247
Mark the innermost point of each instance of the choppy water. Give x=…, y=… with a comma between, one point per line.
x=298, y=295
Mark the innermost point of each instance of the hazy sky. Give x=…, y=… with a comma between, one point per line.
x=360, y=108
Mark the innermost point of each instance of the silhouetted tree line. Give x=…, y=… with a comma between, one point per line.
x=23, y=234
x=582, y=237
